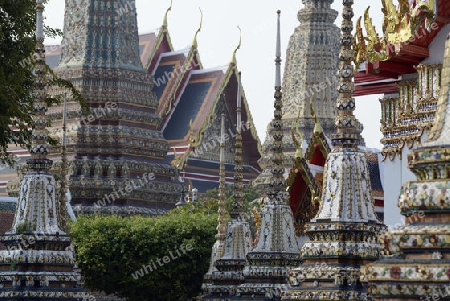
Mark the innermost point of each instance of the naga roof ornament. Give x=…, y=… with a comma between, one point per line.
x=399, y=26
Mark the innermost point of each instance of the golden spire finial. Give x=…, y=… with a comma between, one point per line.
x=359, y=45
x=233, y=59
x=194, y=42
x=299, y=145
x=317, y=126
x=165, y=16
x=299, y=151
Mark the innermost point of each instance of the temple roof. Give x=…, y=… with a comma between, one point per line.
x=381, y=76
x=195, y=110
x=188, y=94
x=199, y=96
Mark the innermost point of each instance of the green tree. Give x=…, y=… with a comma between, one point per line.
x=112, y=253
x=17, y=47
x=250, y=194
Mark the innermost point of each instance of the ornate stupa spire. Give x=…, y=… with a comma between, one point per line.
x=348, y=132
x=238, y=236
x=418, y=253
x=277, y=249
x=221, y=227
x=39, y=262
x=38, y=212
x=343, y=235
x=310, y=71
x=119, y=140
x=237, y=208
x=277, y=183
x=63, y=171
x=218, y=247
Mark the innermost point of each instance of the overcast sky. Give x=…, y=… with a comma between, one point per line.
x=219, y=37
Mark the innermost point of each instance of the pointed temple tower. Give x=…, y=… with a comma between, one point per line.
x=39, y=261
x=277, y=250
x=417, y=265
x=343, y=235
x=311, y=67
x=228, y=268
x=218, y=247
x=116, y=150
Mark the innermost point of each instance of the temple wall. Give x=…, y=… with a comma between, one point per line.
x=396, y=172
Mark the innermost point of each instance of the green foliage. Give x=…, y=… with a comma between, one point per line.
x=17, y=47
x=111, y=249
x=250, y=195
x=17, y=25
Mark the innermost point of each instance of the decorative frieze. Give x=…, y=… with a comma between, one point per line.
x=406, y=117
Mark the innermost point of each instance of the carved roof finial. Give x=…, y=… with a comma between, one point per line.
x=194, y=42
x=165, y=16
x=295, y=130
x=317, y=126
x=233, y=60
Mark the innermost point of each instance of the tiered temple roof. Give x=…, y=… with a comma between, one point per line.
x=191, y=99
x=39, y=263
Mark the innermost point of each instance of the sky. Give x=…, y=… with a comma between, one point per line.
x=219, y=37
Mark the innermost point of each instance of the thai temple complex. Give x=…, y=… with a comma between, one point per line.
x=189, y=101
x=159, y=125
